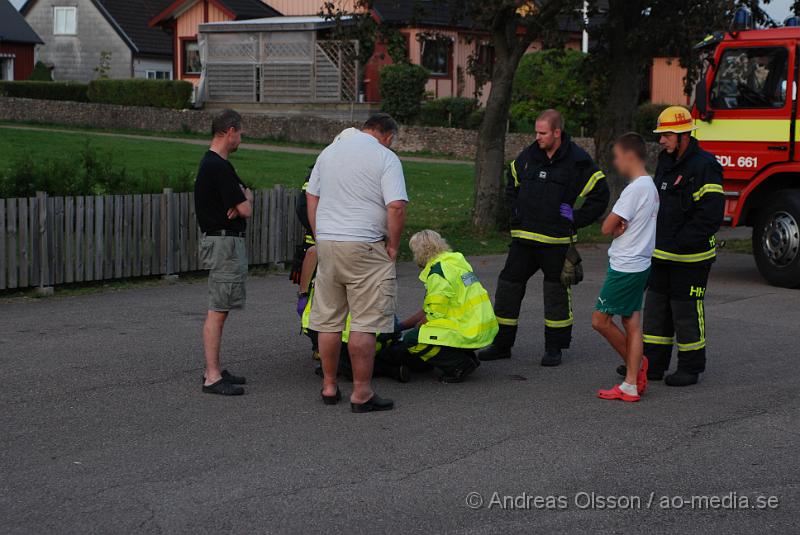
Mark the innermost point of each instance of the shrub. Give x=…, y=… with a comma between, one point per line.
x=88, y=173
x=645, y=118
x=45, y=90
x=402, y=88
x=552, y=79
x=41, y=73
x=157, y=93
x=454, y=112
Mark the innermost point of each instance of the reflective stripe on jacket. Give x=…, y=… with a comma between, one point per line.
x=538, y=185
x=692, y=206
x=456, y=305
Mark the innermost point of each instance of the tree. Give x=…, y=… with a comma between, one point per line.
x=512, y=25
x=630, y=33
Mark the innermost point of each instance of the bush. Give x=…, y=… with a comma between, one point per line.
x=402, y=89
x=157, y=93
x=45, y=90
x=88, y=173
x=646, y=117
x=452, y=112
x=557, y=79
x=41, y=73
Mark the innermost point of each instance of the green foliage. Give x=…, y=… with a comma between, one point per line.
x=41, y=73
x=645, y=118
x=157, y=93
x=104, y=67
x=45, y=90
x=455, y=112
x=87, y=173
x=402, y=89
x=552, y=79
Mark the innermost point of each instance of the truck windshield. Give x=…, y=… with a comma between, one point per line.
x=752, y=77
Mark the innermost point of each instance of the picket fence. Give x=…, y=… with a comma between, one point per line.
x=47, y=241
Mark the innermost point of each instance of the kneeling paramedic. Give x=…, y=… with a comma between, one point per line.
x=544, y=183
x=456, y=316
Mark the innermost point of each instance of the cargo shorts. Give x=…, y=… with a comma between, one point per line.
x=354, y=277
x=226, y=259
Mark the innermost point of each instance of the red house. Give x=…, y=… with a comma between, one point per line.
x=17, y=44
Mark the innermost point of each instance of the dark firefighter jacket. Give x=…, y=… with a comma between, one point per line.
x=537, y=186
x=692, y=206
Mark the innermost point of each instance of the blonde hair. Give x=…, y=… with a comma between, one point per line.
x=426, y=245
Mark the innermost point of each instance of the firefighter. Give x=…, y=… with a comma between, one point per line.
x=689, y=182
x=544, y=183
x=456, y=316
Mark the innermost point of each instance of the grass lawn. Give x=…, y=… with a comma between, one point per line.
x=441, y=193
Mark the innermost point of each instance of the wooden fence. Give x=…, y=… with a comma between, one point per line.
x=46, y=241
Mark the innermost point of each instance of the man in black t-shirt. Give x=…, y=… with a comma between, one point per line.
x=222, y=204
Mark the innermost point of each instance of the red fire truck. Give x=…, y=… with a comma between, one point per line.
x=746, y=107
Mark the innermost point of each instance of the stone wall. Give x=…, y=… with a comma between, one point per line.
x=455, y=142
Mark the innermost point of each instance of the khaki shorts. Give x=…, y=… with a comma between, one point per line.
x=226, y=258
x=357, y=277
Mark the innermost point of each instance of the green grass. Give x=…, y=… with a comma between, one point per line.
x=441, y=193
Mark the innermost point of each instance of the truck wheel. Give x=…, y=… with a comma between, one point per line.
x=776, y=239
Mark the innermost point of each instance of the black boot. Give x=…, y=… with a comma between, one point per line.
x=652, y=375
x=552, y=357
x=494, y=352
x=460, y=374
x=681, y=378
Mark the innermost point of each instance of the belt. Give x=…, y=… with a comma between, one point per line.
x=231, y=233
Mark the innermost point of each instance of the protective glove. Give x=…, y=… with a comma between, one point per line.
x=297, y=264
x=302, y=302
x=566, y=211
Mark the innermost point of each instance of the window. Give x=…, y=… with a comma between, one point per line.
x=485, y=59
x=437, y=55
x=65, y=20
x=191, y=58
x=159, y=75
x=751, y=78
x=6, y=68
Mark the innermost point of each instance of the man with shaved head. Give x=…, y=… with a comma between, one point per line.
x=544, y=184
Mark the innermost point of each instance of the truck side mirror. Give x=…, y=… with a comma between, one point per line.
x=701, y=100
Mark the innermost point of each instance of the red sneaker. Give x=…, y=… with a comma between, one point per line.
x=616, y=393
x=641, y=377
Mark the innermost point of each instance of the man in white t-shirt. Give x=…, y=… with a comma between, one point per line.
x=356, y=207
x=632, y=222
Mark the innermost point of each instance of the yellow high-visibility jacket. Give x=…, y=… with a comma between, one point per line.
x=456, y=305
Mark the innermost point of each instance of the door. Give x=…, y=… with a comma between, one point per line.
x=751, y=99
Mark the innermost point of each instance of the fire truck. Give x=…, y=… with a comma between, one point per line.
x=746, y=108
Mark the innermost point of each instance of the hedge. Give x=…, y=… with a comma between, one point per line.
x=455, y=112
x=157, y=93
x=45, y=90
x=402, y=89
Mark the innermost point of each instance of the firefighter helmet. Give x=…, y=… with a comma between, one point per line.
x=675, y=120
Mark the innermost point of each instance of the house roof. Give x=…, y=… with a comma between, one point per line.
x=129, y=19
x=13, y=26
x=236, y=9
x=420, y=12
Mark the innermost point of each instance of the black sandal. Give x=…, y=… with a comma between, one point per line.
x=331, y=400
x=229, y=378
x=375, y=403
x=223, y=388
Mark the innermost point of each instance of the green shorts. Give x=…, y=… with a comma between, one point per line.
x=226, y=259
x=622, y=293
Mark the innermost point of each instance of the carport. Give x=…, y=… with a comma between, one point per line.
x=277, y=60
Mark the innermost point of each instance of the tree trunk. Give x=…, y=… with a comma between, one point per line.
x=489, y=205
x=617, y=115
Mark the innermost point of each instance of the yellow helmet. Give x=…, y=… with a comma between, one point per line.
x=675, y=120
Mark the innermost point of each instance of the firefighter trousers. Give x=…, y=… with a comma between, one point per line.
x=675, y=312
x=523, y=261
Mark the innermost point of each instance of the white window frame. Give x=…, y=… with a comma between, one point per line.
x=154, y=72
x=67, y=12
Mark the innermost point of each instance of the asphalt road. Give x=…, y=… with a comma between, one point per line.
x=105, y=429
